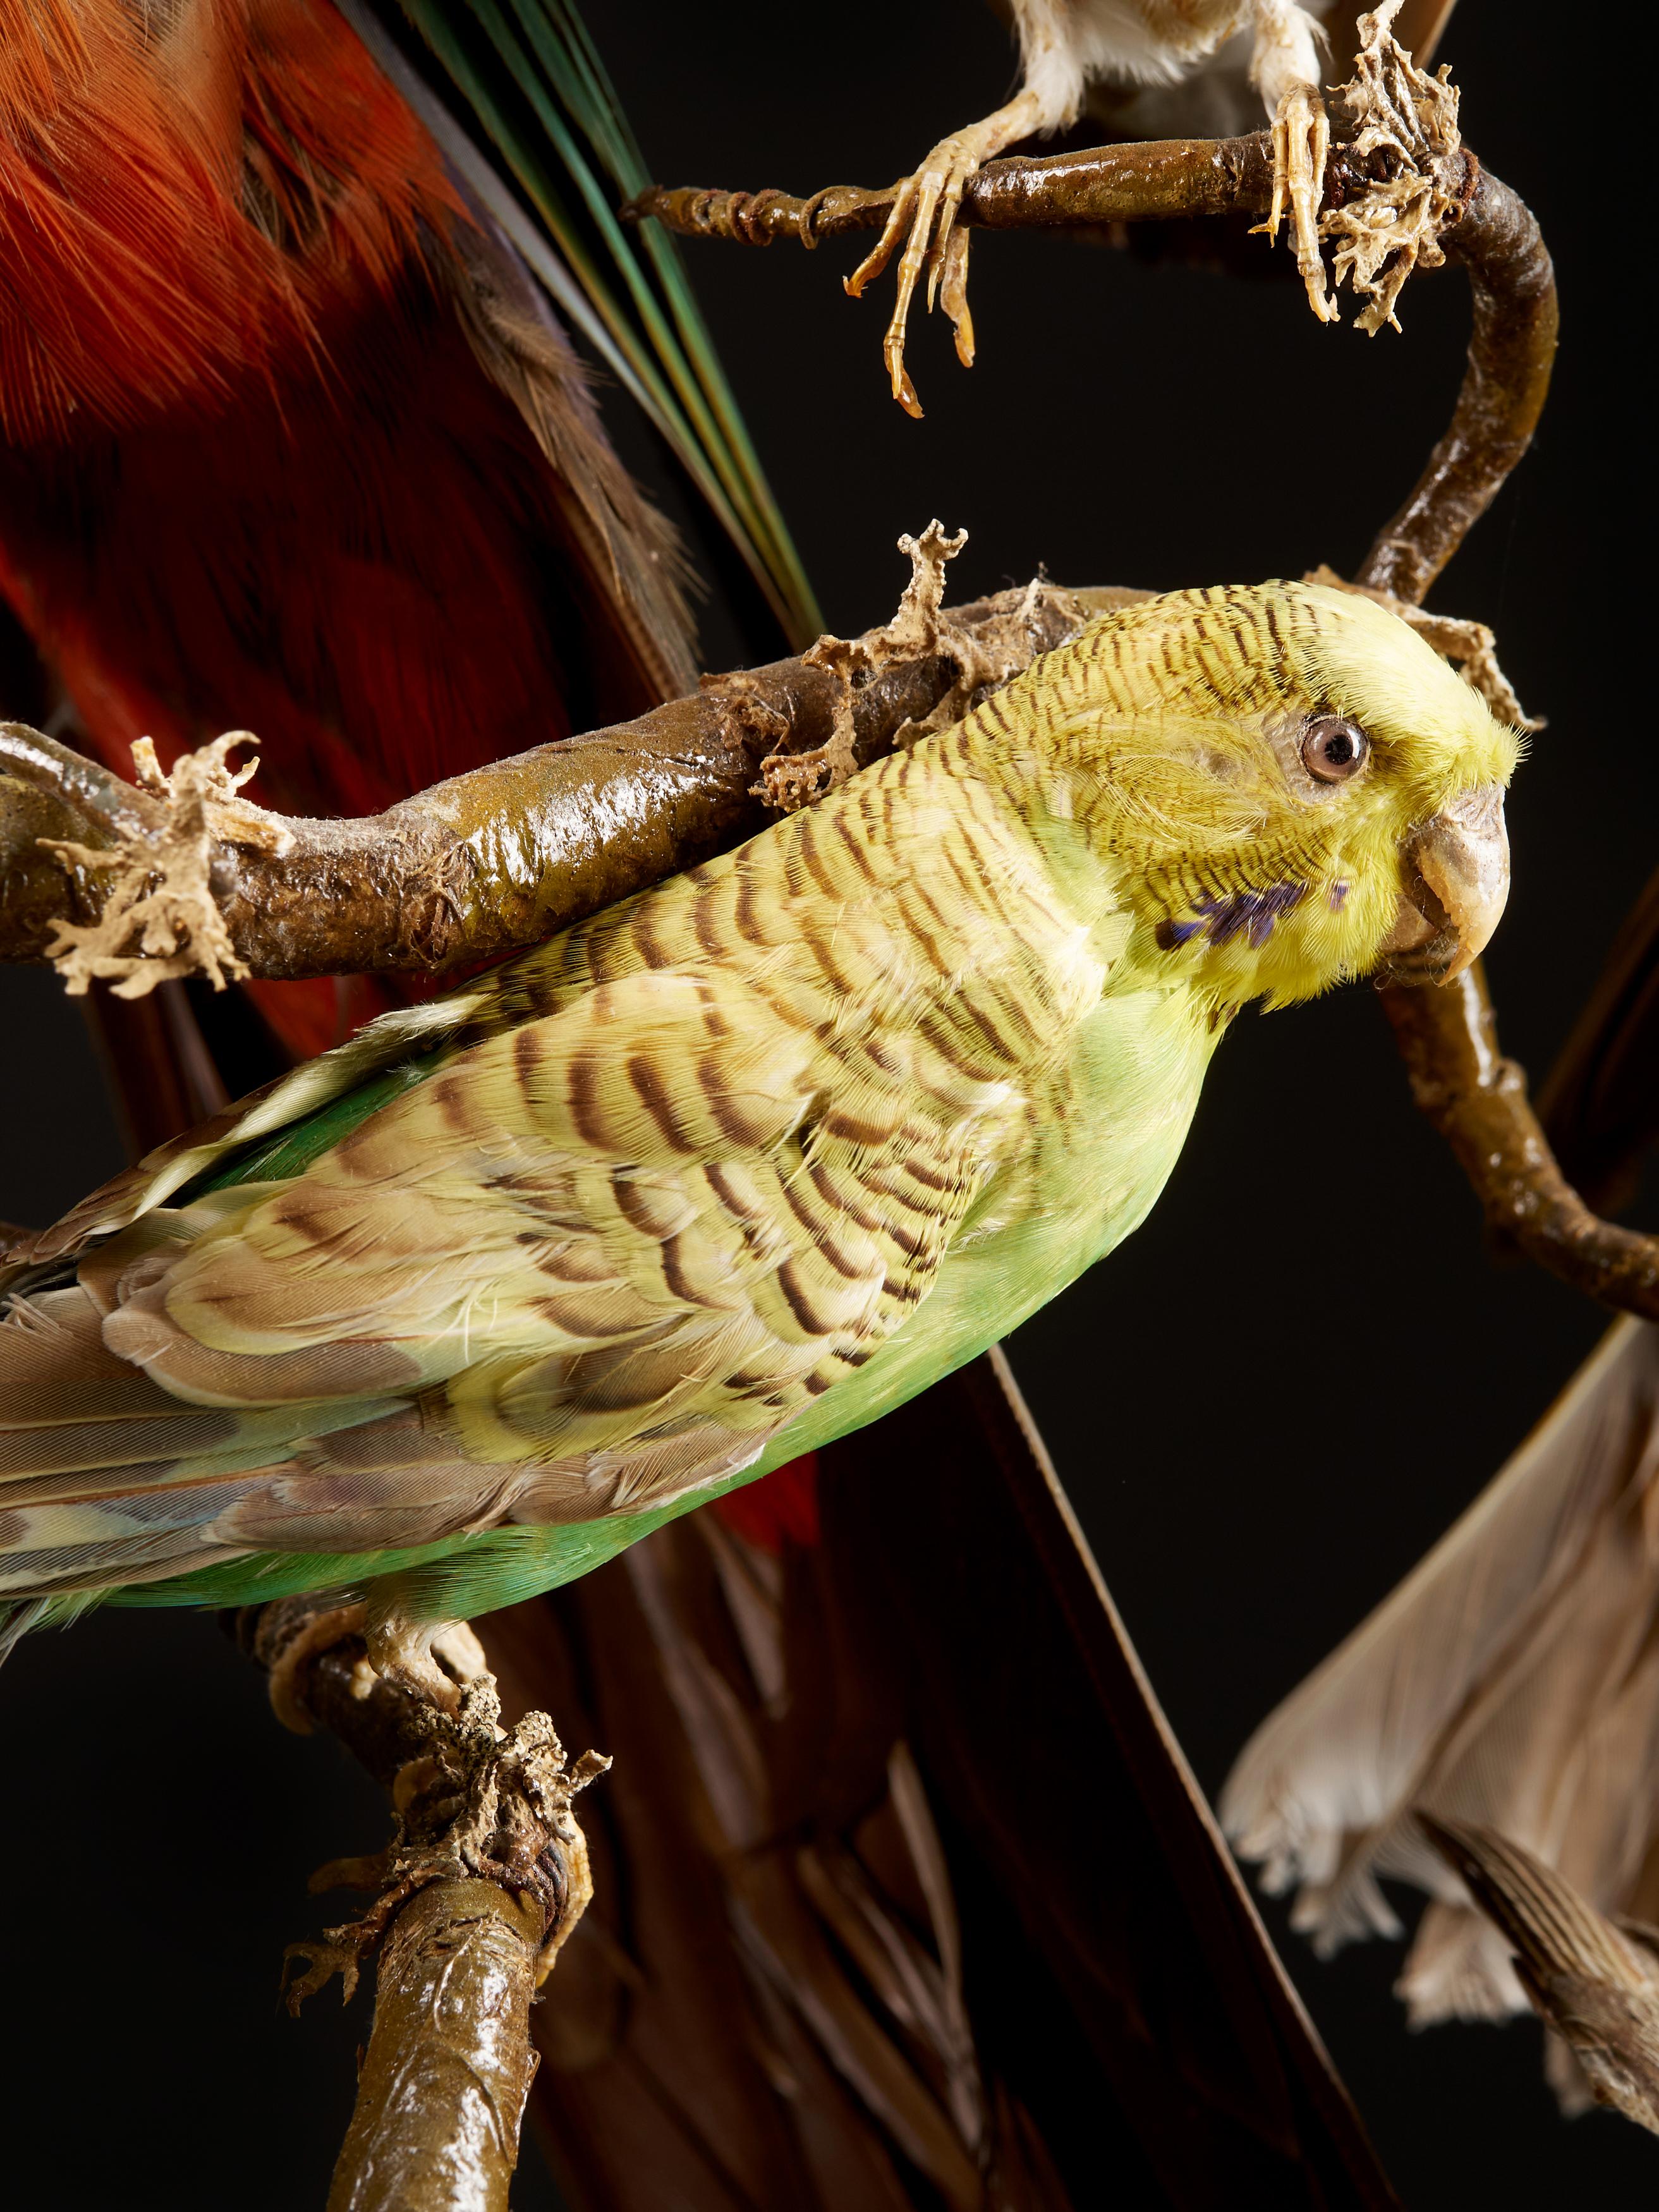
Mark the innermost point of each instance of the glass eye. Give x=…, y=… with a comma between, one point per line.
x=1333, y=748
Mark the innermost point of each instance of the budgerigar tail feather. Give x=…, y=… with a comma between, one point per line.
x=1511, y=1681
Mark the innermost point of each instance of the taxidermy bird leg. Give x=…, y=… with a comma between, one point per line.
x=436, y=1660
x=1381, y=176
x=1302, y=143
x=928, y=201
x=1284, y=69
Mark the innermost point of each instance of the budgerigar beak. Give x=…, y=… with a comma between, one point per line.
x=1455, y=869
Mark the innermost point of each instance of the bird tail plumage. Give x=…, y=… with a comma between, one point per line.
x=1511, y=1681
x=534, y=87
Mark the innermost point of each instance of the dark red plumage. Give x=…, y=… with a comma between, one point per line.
x=781, y=1508
x=289, y=444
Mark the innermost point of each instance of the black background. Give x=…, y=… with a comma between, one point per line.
x=1271, y=1402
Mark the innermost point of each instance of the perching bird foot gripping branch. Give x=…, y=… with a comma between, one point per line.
x=486, y=1878
x=1385, y=163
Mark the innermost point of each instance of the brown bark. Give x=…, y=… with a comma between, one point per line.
x=1478, y=1101
x=1511, y=352
x=499, y=858
x=1146, y=180
x=442, y=2089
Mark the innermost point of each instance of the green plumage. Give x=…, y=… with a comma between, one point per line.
x=729, y=1170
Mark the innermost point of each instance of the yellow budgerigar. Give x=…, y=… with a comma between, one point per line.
x=457, y=1311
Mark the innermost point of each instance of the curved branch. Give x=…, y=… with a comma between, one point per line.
x=1478, y=1101
x=500, y=858
x=1512, y=353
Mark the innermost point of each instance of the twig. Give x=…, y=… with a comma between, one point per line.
x=1594, y=1981
x=1512, y=353
x=486, y=1877
x=1478, y=1101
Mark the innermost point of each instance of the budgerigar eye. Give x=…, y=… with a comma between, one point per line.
x=1333, y=748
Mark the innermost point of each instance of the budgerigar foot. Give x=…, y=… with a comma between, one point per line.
x=1302, y=140
x=436, y=1660
x=928, y=205
x=439, y=1660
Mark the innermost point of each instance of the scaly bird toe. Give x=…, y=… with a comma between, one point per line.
x=927, y=202
x=406, y=1649
x=1302, y=140
x=924, y=213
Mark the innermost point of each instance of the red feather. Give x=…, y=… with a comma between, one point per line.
x=781, y=1508
x=256, y=477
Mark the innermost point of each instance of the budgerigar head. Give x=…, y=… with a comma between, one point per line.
x=1290, y=786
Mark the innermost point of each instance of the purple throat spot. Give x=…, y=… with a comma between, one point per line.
x=1250, y=915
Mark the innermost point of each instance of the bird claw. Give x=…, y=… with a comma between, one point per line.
x=1301, y=140
x=927, y=204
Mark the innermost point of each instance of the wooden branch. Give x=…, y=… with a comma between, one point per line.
x=1512, y=353
x=441, y=2095
x=499, y=858
x=1145, y=181
x=1478, y=1101
x=486, y=1877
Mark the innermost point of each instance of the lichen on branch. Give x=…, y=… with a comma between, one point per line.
x=159, y=917
x=982, y=656
x=1401, y=179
